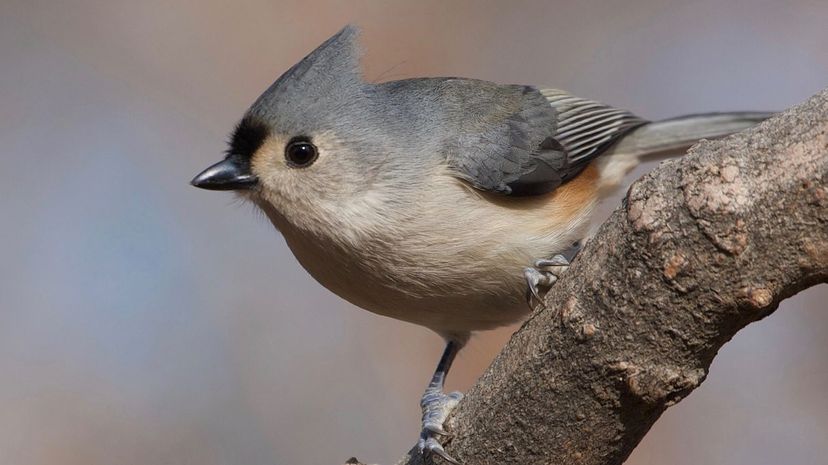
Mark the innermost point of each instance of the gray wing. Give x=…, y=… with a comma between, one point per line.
x=549, y=137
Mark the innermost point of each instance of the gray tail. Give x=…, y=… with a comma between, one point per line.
x=671, y=136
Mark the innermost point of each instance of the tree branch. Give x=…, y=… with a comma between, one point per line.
x=702, y=246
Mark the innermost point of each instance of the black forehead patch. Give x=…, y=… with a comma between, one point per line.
x=248, y=136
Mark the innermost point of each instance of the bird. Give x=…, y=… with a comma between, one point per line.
x=447, y=202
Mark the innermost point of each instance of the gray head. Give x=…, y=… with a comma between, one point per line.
x=317, y=142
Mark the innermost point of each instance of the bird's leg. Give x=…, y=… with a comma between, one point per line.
x=436, y=406
x=545, y=272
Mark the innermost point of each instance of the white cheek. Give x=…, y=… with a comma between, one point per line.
x=326, y=198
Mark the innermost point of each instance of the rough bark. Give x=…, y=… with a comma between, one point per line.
x=701, y=246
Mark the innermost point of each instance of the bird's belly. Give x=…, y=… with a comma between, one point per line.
x=468, y=301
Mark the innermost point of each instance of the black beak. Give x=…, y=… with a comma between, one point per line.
x=226, y=175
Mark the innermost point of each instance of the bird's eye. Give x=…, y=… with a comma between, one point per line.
x=300, y=153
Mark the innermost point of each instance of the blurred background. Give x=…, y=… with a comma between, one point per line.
x=143, y=321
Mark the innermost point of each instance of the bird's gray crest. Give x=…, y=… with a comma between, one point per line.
x=324, y=80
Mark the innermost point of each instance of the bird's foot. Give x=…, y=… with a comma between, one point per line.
x=545, y=272
x=436, y=408
x=540, y=277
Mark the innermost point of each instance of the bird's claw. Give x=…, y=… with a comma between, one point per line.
x=430, y=446
x=557, y=260
x=436, y=408
x=545, y=272
x=535, y=280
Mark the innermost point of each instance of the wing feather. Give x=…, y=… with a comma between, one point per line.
x=525, y=141
x=586, y=127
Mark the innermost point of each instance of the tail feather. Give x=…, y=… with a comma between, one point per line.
x=678, y=134
x=665, y=138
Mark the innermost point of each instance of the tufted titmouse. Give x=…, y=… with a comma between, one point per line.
x=441, y=201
